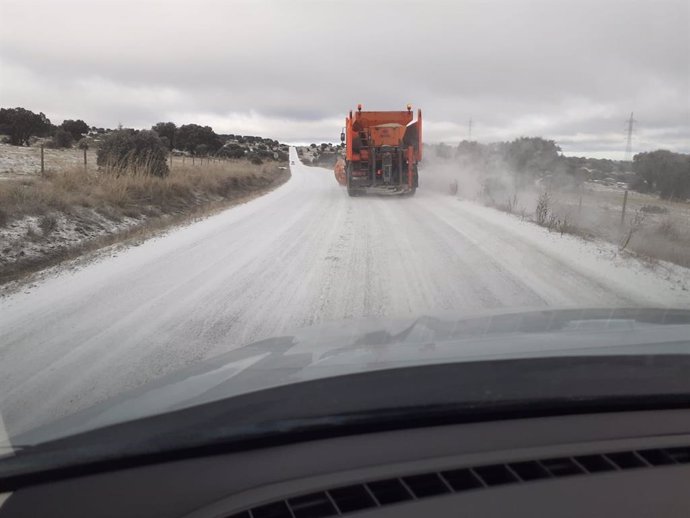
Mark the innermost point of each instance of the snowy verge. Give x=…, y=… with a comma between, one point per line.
x=33, y=243
x=654, y=282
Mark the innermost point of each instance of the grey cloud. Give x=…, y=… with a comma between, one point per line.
x=291, y=70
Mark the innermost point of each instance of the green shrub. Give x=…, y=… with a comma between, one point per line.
x=76, y=128
x=20, y=124
x=166, y=131
x=127, y=151
x=189, y=136
x=231, y=150
x=61, y=139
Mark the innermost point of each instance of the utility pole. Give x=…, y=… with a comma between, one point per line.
x=470, y=130
x=628, y=145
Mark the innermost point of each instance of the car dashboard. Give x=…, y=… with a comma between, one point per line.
x=602, y=464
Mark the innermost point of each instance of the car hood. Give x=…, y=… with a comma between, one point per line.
x=355, y=346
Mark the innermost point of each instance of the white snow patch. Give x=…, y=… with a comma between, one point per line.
x=660, y=283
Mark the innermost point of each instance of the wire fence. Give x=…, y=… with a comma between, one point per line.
x=636, y=222
x=18, y=161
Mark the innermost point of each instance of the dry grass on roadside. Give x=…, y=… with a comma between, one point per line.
x=21, y=161
x=668, y=240
x=130, y=195
x=47, y=219
x=653, y=229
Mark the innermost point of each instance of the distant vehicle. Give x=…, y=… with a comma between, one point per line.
x=292, y=162
x=382, y=150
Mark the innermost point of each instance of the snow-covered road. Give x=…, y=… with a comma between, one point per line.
x=305, y=253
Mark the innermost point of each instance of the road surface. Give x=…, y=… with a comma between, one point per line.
x=303, y=254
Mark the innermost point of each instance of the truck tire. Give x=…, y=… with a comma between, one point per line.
x=351, y=191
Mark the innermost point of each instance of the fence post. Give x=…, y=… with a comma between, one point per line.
x=43, y=169
x=625, y=202
x=170, y=160
x=85, y=166
x=192, y=159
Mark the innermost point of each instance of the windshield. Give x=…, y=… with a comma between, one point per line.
x=203, y=200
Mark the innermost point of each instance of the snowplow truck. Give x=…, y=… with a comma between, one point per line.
x=382, y=150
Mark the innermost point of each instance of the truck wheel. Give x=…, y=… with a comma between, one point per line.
x=351, y=191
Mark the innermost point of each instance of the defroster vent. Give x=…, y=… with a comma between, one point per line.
x=342, y=500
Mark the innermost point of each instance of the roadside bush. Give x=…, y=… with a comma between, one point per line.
x=636, y=223
x=564, y=227
x=83, y=144
x=61, y=139
x=47, y=223
x=667, y=228
x=201, y=150
x=166, y=131
x=189, y=136
x=654, y=209
x=509, y=205
x=127, y=151
x=231, y=151
x=256, y=160
x=76, y=128
x=664, y=172
x=543, y=208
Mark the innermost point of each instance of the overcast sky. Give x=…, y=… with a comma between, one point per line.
x=571, y=71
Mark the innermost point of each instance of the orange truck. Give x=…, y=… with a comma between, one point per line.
x=382, y=150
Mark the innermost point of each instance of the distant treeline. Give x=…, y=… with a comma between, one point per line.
x=662, y=172
x=20, y=126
